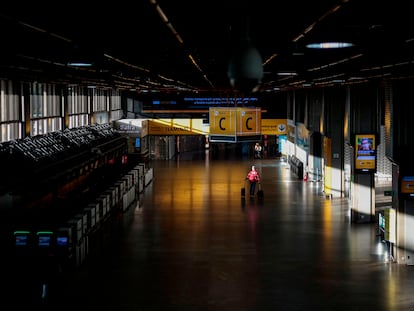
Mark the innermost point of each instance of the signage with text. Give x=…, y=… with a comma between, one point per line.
x=157, y=127
x=274, y=127
x=235, y=121
x=407, y=185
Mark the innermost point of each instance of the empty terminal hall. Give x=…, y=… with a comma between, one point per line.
x=129, y=140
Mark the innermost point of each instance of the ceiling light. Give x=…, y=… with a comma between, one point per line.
x=79, y=64
x=329, y=45
x=287, y=73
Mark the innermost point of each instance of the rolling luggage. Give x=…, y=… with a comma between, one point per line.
x=243, y=190
x=260, y=193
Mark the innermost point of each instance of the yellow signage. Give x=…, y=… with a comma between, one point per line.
x=274, y=127
x=407, y=184
x=235, y=121
x=144, y=128
x=249, y=121
x=389, y=220
x=222, y=121
x=159, y=128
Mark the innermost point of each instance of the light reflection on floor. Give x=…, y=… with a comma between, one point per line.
x=194, y=244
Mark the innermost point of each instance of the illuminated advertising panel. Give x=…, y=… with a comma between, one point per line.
x=407, y=185
x=365, y=153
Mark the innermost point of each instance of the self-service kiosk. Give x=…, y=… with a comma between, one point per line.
x=23, y=242
x=76, y=224
x=44, y=240
x=65, y=246
x=22, y=238
x=141, y=177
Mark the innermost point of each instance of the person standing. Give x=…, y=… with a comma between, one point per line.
x=257, y=151
x=253, y=177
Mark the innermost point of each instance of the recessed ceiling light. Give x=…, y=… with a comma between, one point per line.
x=329, y=45
x=287, y=73
x=79, y=64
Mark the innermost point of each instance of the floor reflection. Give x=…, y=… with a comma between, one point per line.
x=195, y=244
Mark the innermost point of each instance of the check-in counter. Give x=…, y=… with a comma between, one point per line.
x=134, y=174
x=79, y=244
x=141, y=177
x=90, y=212
x=65, y=246
x=148, y=176
x=103, y=206
x=129, y=198
x=111, y=195
x=95, y=207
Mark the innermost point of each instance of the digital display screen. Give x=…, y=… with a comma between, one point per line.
x=21, y=237
x=21, y=240
x=365, y=154
x=62, y=241
x=138, y=142
x=407, y=185
x=44, y=240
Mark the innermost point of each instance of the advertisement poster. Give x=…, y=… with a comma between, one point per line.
x=365, y=155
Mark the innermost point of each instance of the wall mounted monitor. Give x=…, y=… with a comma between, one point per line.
x=407, y=186
x=21, y=238
x=44, y=238
x=365, y=153
x=62, y=241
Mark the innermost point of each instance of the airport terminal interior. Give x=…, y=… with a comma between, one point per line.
x=190, y=241
x=126, y=136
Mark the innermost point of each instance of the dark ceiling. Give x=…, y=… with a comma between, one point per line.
x=133, y=48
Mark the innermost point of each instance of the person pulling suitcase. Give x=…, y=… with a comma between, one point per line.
x=253, y=177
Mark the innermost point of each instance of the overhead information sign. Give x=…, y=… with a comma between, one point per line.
x=249, y=121
x=167, y=128
x=223, y=121
x=232, y=124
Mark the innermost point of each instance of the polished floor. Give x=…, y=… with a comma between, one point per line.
x=193, y=244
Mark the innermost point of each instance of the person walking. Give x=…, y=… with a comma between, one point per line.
x=253, y=177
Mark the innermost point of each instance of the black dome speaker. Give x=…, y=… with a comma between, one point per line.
x=245, y=70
